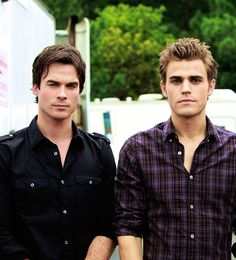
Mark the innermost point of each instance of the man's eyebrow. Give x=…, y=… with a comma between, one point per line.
x=73, y=82
x=57, y=82
x=52, y=81
x=191, y=76
x=196, y=76
x=175, y=77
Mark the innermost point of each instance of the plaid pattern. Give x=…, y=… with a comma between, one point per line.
x=179, y=214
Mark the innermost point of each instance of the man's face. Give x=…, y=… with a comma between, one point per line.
x=187, y=87
x=58, y=92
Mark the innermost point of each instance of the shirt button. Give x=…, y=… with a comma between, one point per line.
x=62, y=182
x=64, y=211
x=192, y=236
x=32, y=185
x=170, y=140
x=55, y=153
x=190, y=177
x=179, y=152
x=66, y=242
x=191, y=207
x=90, y=182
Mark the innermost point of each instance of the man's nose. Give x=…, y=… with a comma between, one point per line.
x=62, y=92
x=186, y=86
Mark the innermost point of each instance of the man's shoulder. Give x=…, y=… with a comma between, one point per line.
x=223, y=131
x=98, y=136
x=148, y=133
x=145, y=138
x=225, y=136
x=94, y=137
x=12, y=136
x=7, y=137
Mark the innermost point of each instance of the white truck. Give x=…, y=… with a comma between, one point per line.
x=120, y=119
x=26, y=27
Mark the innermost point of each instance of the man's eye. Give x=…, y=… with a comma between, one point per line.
x=72, y=86
x=196, y=80
x=175, y=81
x=51, y=84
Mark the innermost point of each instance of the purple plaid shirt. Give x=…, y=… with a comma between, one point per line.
x=179, y=214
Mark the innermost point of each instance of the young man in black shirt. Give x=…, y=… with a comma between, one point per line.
x=56, y=181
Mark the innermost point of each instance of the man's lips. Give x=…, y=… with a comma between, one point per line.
x=61, y=105
x=186, y=100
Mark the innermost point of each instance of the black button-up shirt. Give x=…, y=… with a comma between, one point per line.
x=48, y=211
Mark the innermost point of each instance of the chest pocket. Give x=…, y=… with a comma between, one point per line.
x=85, y=180
x=88, y=191
x=31, y=195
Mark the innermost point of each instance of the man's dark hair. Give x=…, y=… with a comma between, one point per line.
x=187, y=49
x=65, y=54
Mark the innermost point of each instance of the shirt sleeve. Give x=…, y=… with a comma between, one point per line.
x=9, y=247
x=107, y=208
x=129, y=193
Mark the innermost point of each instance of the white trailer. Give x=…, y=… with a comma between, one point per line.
x=26, y=27
x=121, y=119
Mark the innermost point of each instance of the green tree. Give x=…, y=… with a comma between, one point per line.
x=125, y=42
x=218, y=29
x=62, y=10
x=212, y=21
x=177, y=14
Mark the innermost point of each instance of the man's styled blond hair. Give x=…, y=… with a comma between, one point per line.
x=188, y=49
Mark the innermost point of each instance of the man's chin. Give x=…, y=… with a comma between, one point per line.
x=61, y=117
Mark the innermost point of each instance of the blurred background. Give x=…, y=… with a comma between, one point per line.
x=120, y=41
x=127, y=35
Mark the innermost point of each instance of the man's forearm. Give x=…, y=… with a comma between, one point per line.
x=130, y=247
x=101, y=248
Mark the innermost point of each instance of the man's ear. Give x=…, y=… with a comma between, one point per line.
x=35, y=89
x=211, y=87
x=163, y=88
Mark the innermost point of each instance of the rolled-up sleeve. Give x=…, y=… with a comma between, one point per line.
x=129, y=192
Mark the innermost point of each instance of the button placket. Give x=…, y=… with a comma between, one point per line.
x=191, y=207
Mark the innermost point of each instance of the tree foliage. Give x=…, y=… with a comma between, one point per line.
x=125, y=42
x=212, y=21
x=218, y=29
x=62, y=10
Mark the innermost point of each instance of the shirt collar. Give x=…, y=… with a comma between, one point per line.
x=169, y=131
x=212, y=131
x=36, y=136
x=77, y=133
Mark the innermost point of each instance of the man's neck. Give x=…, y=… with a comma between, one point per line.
x=55, y=130
x=192, y=128
x=191, y=132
